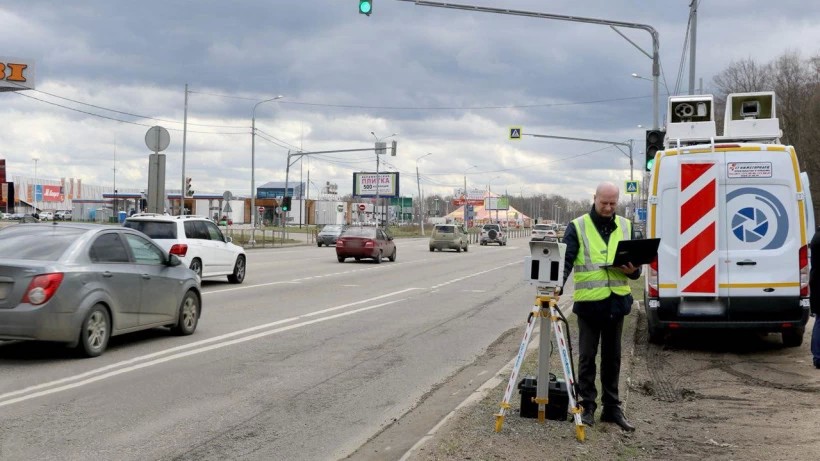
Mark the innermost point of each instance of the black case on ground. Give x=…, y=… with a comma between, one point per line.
x=557, y=406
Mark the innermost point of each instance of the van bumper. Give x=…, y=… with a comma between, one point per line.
x=763, y=314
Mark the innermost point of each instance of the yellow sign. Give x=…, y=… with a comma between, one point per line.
x=515, y=133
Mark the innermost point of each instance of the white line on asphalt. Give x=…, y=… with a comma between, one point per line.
x=192, y=345
x=180, y=355
x=449, y=282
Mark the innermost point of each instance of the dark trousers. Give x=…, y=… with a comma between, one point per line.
x=815, y=341
x=593, y=331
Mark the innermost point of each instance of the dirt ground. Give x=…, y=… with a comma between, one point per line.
x=712, y=395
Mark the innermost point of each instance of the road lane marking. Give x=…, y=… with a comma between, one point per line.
x=7, y=395
x=5, y=402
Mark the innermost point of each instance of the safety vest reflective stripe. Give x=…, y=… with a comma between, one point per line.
x=600, y=284
x=593, y=283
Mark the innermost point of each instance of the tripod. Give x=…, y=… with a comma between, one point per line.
x=546, y=309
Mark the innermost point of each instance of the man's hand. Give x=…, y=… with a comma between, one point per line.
x=627, y=269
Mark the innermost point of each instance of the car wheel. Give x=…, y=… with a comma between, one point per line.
x=432, y=249
x=379, y=257
x=188, y=315
x=458, y=249
x=466, y=247
x=238, y=275
x=392, y=257
x=655, y=333
x=196, y=266
x=319, y=244
x=793, y=337
x=341, y=259
x=95, y=332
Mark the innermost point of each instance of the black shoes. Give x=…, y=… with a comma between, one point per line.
x=588, y=417
x=616, y=415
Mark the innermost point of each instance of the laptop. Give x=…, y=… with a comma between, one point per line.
x=637, y=252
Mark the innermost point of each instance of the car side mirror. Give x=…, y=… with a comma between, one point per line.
x=173, y=260
x=228, y=239
x=389, y=238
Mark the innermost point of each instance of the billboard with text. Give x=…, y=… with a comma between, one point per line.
x=365, y=184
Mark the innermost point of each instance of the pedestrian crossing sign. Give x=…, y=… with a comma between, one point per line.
x=515, y=133
x=631, y=187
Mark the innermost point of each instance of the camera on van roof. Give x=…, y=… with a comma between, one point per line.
x=750, y=109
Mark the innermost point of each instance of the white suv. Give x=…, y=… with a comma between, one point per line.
x=197, y=241
x=493, y=233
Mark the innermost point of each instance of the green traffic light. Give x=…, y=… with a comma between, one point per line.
x=649, y=164
x=365, y=7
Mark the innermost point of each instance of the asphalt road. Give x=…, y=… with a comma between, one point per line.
x=308, y=359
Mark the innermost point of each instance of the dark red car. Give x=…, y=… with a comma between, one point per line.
x=365, y=242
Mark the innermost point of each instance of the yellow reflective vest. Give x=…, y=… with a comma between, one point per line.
x=592, y=283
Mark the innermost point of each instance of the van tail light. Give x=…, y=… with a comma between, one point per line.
x=42, y=288
x=804, y=271
x=369, y=244
x=179, y=249
x=652, y=279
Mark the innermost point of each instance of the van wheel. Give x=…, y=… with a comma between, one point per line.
x=793, y=337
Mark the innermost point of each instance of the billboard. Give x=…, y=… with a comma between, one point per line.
x=52, y=194
x=364, y=184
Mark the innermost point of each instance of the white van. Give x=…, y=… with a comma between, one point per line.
x=733, y=216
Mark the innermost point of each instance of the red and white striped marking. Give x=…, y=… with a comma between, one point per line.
x=697, y=238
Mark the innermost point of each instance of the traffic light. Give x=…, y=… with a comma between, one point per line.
x=365, y=7
x=393, y=146
x=285, y=204
x=188, y=191
x=654, y=143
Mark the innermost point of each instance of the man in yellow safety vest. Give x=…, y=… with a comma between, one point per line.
x=602, y=298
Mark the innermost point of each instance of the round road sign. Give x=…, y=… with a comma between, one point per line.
x=157, y=138
x=361, y=207
x=340, y=208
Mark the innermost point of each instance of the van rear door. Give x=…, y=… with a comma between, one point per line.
x=761, y=224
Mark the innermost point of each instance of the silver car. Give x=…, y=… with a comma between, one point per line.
x=80, y=284
x=329, y=234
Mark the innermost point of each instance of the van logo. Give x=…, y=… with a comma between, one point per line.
x=758, y=216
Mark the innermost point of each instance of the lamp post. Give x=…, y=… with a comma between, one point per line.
x=378, y=184
x=464, y=205
x=253, y=162
x=489, y=196
x=34, y=189
x=421, y=200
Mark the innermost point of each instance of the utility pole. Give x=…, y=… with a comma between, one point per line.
x=184, y=138
x=693, y=31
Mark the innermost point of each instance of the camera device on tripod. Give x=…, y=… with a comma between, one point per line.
x=545, y=265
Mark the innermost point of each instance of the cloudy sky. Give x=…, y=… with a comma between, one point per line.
x=448, y=82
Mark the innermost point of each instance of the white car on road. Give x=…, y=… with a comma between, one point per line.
x=197, y=241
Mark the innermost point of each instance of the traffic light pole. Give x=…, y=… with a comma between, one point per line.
x=613, y=24
x=601, y=141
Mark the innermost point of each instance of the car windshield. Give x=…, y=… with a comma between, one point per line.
x=366, y=232
x=445, y=229
x=155, y=229
x=332, y=228
x=542, y=227
x=40, y=243
x=491, y=227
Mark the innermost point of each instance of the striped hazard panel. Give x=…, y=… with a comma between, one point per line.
x=697, y=236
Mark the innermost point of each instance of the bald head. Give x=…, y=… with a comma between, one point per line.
x=606, y=199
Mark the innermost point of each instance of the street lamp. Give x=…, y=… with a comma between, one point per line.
x=490, y=194
x=464, y=205
x=34, y=189
x=253, y=161
x=421, y=201
x=378, y=185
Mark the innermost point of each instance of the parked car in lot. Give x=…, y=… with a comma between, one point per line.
x=450, y=236
x=329, y=234
x=365, y=242
x=63, y=215
x=544, y=232
x=493, y=233
x=80, y=284
x=46, y=216
x=197, y=241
